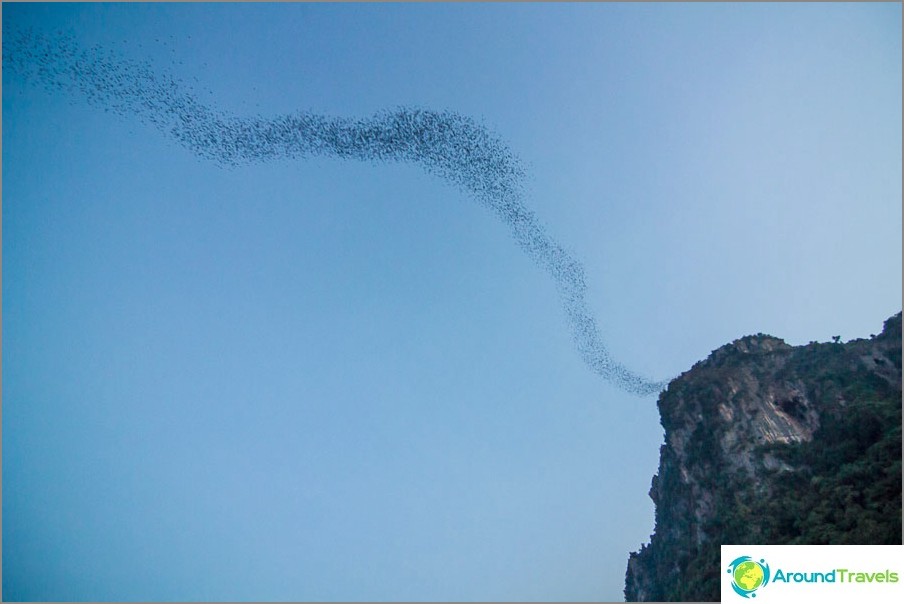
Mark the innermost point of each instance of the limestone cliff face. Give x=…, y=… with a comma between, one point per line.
x=759, y=421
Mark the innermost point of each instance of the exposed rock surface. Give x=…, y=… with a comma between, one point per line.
x=752, y=426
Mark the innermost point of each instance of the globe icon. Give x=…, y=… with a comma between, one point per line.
x=748, y=575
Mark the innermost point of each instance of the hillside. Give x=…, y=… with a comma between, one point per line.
x=767, y=443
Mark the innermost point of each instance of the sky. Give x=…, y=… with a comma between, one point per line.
x=317, y=378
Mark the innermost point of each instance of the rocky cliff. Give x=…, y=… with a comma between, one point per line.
x=770, y=443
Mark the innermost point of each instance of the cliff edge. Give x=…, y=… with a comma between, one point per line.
x=767, y=443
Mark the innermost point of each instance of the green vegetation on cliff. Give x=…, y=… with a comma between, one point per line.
x=772, y=444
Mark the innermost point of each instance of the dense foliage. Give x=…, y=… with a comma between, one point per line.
x=847, y=489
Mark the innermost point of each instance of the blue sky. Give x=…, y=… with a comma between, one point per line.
x=324, y=379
